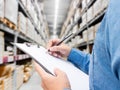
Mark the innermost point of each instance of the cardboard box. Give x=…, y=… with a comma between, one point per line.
x=104, y=4
x=11, y=10
x=19, y=76
x=77, y=14
x=84, y=4
x=1, y=46
x=91, y=34
x=84, y=19
x=90, y=14
x=97, y=7
x=21, y=23
x=1, y=8
x=96, y=28
x=85, y=36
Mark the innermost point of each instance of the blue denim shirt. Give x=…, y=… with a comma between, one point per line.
x=103, y=66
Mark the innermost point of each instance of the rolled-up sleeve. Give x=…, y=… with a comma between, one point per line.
x=79, y=59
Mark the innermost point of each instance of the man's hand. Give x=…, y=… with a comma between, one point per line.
x=50, y=82
x=58, y=51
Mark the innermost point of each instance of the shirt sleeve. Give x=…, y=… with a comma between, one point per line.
x=80, y=60
x=114, y=38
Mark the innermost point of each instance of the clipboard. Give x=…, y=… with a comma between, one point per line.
x=78, y=79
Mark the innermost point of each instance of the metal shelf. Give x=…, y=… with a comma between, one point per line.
x=84, y=10
x=84, y=43
x=7, y=59
x=90, y=23
x=88, y=6
x=13, y=32
x=26, y=13
x=94, y=20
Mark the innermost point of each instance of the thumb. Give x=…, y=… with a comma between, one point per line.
x=58, y=72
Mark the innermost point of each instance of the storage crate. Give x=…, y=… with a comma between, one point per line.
x=11, y=11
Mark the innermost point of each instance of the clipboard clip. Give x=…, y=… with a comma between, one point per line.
x=31, y=44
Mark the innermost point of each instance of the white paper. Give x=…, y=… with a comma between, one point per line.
x=78, y=80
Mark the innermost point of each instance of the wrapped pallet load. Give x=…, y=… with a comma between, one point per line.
x=11, y=10
x=1, y=46
x=1, y=9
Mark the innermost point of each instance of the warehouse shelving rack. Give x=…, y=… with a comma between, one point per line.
x=15, y=36
x=26, y=13
x=79, y=19
x=96, y=19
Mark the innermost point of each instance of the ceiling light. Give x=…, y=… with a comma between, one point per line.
x=56, y=13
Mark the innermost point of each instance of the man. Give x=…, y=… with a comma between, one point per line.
x=103, y=66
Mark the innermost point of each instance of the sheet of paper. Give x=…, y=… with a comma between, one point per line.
x=78, y=80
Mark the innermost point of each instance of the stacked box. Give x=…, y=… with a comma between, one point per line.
x=77, y=14
x=1, y=46
x=75, y=28
x=90, y=14
x=1, y=8
x=96, y=28
x=8, y=83
x=21, y=23
x=85, y=37
x=84, y=19
x=84, y=4
x=11, y=10
x=30, y=29
x=6, y=76
x=91, y=34
x=104, y=3
x=97, y=7
x=19, y=76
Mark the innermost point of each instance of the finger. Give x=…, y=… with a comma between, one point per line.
x=56, y=49
x=40, y=70
x=52, y=43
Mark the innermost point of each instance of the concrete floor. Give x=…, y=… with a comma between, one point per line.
x=33, y=83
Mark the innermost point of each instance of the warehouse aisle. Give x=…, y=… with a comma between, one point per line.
x=33, y=83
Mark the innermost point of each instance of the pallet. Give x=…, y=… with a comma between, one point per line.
x=1, y=19
x=8, y=23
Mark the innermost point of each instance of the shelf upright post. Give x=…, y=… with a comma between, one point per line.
x=87, y=7
x=15, y=53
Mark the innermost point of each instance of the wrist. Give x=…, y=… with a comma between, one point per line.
x=66, y=89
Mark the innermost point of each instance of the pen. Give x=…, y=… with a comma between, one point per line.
x=64, y=39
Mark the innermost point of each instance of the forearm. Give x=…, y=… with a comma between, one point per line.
x=80, y=60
